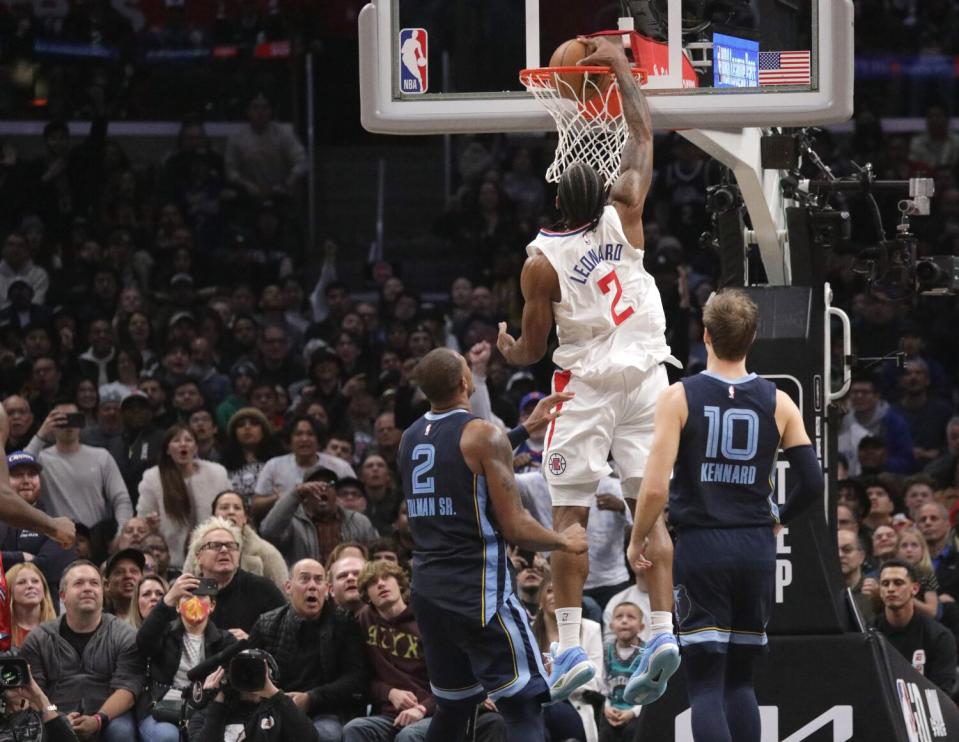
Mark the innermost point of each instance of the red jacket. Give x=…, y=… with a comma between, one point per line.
x=5, y=637
x=395, y=651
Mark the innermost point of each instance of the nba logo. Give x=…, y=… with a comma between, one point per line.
x=414, y=62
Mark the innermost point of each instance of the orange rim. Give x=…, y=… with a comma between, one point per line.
x=542, y=75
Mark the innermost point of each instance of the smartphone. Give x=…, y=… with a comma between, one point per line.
x=207, y=585
x=526, y=556
x=75, y=420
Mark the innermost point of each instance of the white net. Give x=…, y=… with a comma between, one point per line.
x=586, y=109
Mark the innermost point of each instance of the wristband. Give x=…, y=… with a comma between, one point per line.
x=102, y=720
x=517, y=435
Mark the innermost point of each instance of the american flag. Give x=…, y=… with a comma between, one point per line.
x=784, y=68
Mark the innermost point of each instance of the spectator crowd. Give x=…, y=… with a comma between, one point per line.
x=220, y=415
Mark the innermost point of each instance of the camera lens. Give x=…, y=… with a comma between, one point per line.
x=10, y=677
x=928, y=272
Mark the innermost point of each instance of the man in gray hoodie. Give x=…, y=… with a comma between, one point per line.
x=86, y=660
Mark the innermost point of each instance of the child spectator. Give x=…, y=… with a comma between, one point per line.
x=620, y=659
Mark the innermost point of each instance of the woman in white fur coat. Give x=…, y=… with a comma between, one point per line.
x=257, y=555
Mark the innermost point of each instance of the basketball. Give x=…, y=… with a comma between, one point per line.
x=578, y=86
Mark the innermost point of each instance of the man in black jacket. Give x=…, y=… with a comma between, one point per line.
x=318, y=648
x=924, y=642
x=137, y=448
x=242, y=596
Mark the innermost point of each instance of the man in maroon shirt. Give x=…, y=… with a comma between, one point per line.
x=399, y=687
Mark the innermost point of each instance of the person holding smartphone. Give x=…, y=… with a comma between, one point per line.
x=175, y=637
x=80, y=482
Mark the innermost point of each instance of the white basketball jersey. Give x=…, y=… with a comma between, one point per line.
x=610, y=316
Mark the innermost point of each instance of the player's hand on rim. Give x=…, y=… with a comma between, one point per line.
x=602, y=52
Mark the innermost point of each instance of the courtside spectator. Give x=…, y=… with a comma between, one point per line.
x=926, y=644
x=344, y=582
x=399, y=687
x=86, y=661
x=257, y=555
x=121, y=574
x=318, y=649
x=175, y=636
x=242, y=597
x=30, y=601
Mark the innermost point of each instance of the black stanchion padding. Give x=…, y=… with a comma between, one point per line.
x=826, y=688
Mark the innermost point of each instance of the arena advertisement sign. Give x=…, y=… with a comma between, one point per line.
x=788, y=352
x=826, y=688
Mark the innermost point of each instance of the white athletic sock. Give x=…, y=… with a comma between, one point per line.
x=660, y=622
x=568, y=621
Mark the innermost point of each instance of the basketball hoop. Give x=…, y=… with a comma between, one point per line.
x=584, y=103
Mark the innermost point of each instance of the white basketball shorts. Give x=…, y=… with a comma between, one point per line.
x=609, y=415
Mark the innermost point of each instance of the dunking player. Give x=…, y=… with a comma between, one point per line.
x=723, y=428
x=609, y=318
x=463, y=505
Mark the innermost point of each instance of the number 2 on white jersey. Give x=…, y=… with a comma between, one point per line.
x=604, y=285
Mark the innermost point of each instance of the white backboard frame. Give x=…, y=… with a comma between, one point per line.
x=831, y=101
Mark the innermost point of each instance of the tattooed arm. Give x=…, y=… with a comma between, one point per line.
x=488, y=453
x=628, y=193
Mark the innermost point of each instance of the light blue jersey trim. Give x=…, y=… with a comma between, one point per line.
x=457, y=695
x=491, y=553
x=716, y=636
x=432, y=416
x=740, y=380
x=520, y=659
x=721, y=636
x=753, y=640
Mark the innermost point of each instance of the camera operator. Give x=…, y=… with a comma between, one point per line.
x=28, y=715
x=249, y=706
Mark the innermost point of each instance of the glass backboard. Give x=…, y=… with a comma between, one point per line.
x=430, y=67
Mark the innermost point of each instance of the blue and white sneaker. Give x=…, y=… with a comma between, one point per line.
x=570, y=670
x=659, y=661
